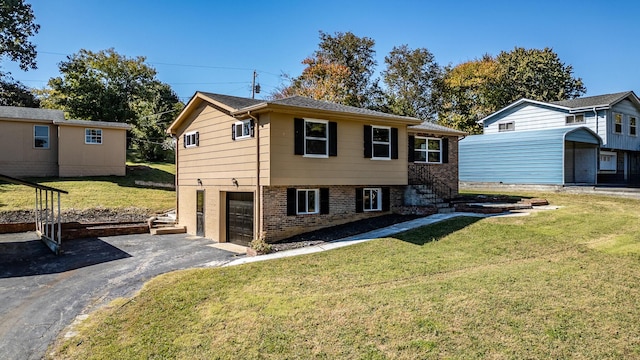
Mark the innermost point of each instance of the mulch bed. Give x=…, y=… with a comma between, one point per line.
x=340, y=231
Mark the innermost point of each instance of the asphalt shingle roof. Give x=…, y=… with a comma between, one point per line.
x=588, y=101
x=431, y=126
x=232, y=101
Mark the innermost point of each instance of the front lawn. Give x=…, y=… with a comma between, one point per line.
x=555, y=284
x=99, y=192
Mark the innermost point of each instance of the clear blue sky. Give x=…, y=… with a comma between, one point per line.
x=214, y=46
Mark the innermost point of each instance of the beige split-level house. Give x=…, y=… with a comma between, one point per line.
x=249, y=168
x=41, y=143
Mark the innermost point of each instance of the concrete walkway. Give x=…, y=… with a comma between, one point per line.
x=375, y=234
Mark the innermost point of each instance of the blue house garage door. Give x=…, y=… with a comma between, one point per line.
x=240, y=218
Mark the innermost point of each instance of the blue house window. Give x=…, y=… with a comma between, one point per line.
x=617, y=125
x=508, y=126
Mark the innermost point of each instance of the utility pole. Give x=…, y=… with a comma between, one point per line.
x=255, y=89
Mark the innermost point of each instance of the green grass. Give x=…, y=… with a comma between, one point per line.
x=555, y=284
x=92, y=192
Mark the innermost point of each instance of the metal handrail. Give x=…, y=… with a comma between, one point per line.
x=420, y=175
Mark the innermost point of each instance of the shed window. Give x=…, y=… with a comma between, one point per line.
x=41, y=136
x=617, y=126
x=93, y=136
x=509, y=126
x=574, y=119
x=633, y=126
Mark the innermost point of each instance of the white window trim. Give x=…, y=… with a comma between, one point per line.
x=574, y=121
x=636, y=126
x=242, y=124
x=427, y=151
x=326, y=139
x=621, y=123
x=317, y=201
x=35, y=137
x=92, y=143
x=188, y=136
x=373, y=143
x=506, y=126
x=378, y=202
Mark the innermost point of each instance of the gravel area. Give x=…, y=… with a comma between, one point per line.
x=82, y=216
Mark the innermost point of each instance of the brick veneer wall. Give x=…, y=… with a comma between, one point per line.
x=447, y=173
x=276, y=225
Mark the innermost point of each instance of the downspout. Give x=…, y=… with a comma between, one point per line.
x=258, y=192
x=175, y=161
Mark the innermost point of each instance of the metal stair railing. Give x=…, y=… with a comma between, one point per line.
x=420, y=175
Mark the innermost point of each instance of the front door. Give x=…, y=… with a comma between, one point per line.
x=200, y=212
x=240, y=218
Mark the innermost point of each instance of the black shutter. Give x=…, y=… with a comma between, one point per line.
x=412, y=148
x=359, y=207
x=291, y=201
x=197, y=138
x=299, y=136
x=386, y=199
x=333, y=138
x=445, y=150
x=184, y=141
x=394, y=143
x=324, y=200
x=368, y=144
x=252, y=125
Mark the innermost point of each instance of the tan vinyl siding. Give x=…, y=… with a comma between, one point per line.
x=348, y=168
x=18, y=155
x=218, y=158
x=76, y=158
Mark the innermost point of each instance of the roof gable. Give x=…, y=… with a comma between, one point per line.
x=599, y=102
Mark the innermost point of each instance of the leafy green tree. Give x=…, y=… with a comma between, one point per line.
x=16, y=27
x=473, y=90
x=536, y=74
x=466, y=94
x=107, y=86
x=410, y=78
x=341, y=69
x=320, y=80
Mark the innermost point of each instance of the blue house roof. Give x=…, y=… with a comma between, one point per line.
x=520, y=157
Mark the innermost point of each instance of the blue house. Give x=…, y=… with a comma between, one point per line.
x=520, y=143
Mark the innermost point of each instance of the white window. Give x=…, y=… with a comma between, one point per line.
x=242, y=129
x=41, y=136
x=428, y=150
x=608, y=161
x=509, y=126
x=93, y=136
x=316, y=138
x=381, y=140
x=191, y=139
x=372, y=199
x=617, y=125
x=574, y=119
x=308, y=201
x=633, y=126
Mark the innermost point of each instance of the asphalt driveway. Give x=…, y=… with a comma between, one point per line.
x=41, y=294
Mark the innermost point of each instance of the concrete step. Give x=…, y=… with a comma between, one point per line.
x=169, y=230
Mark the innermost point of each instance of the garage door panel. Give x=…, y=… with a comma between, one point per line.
x=240, y=218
